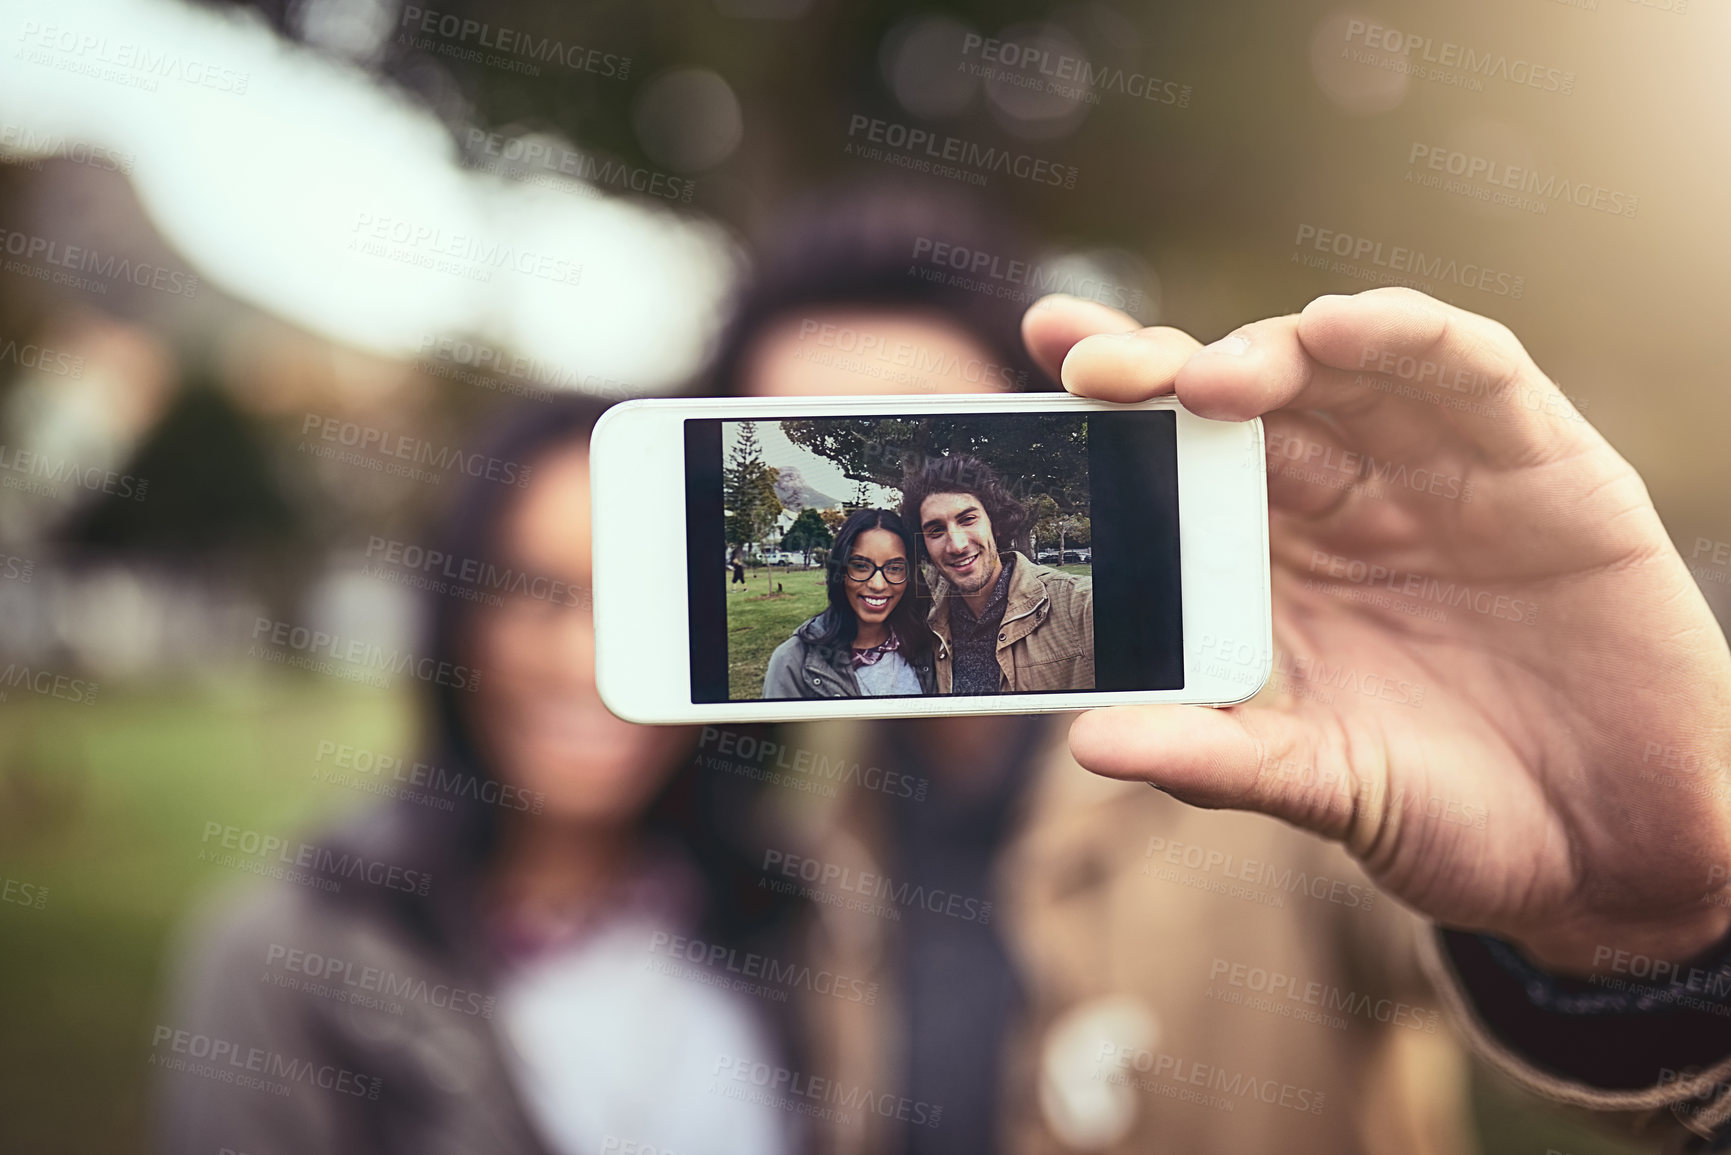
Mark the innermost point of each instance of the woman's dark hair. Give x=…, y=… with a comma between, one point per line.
x=964, y=473
x=873, y=246
x=470, y=532
x=699, y=810
x=837, y=626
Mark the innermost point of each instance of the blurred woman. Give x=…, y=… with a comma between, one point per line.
x=527, y=951
x=872, y=640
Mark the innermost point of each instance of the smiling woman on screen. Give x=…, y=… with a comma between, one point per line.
x=872, y=640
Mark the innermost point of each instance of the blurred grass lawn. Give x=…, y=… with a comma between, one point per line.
x=105, y=805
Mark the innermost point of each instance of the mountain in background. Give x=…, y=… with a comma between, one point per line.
x=796, y=495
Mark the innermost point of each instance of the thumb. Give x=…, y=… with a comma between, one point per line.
x=1235, y=758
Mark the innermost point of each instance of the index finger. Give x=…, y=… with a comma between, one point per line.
x=1387, y=365
x=1098, y=352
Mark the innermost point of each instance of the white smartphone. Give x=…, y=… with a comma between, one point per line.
x=769, y=559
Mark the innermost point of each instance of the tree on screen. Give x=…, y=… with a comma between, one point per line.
x=808, y=532
x=1032, y=453
x=1056, y=529
x=748, y=493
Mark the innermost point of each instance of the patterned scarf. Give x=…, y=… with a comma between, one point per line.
x=871, y=657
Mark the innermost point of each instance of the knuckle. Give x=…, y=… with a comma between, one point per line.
x=1401, y=294
x=1503, y=338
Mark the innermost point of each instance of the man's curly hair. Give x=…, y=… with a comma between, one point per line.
x=963, y=473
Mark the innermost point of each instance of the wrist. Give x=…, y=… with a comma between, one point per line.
x=1646, y=949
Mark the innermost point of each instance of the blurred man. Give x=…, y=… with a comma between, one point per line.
x=1065, y=962
x=1084, y=965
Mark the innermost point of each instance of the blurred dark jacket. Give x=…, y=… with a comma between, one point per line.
x=1196, y=981
x=380, y=1024
x=442, y=1084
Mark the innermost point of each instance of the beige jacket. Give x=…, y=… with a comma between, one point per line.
x=1046, y=641
x=1196, y=981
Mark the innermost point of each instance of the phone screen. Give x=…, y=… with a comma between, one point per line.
x=959, y=553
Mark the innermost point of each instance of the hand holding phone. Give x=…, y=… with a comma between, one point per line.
x=1495, y=679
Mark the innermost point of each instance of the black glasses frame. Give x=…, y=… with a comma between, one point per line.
x=847, y=569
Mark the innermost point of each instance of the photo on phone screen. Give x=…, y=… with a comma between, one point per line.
x=962, y=554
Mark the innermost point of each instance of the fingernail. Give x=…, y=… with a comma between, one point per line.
x=1233, y=344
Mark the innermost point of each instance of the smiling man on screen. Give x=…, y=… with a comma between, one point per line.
x=1004, y=623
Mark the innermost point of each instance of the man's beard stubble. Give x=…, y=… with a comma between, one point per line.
x=985, y=571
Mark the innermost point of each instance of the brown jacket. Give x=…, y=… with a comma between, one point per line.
x=1196, y=981
x=1046, y=641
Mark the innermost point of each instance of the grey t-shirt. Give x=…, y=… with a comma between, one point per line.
x=890, y=674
